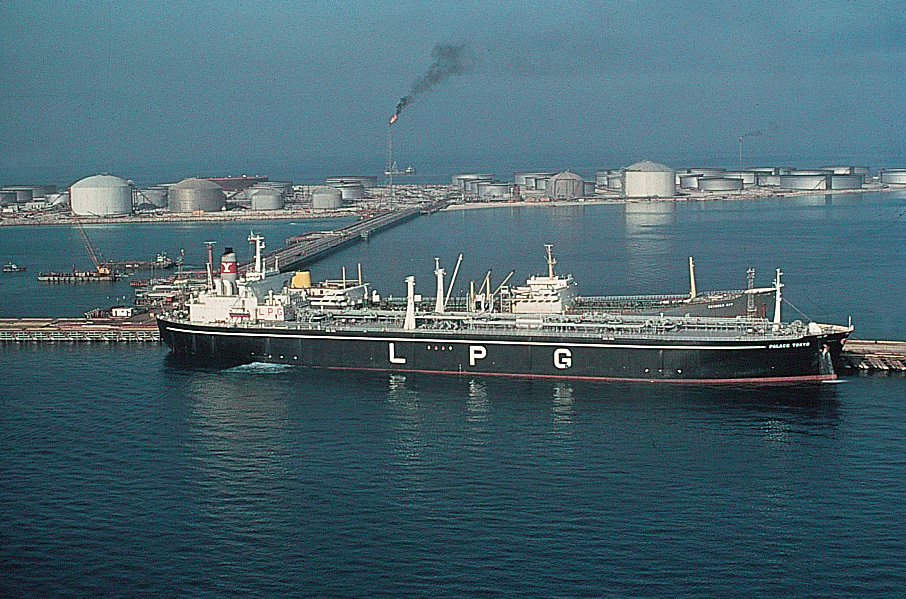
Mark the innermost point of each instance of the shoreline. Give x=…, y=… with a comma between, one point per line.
x=308, y=214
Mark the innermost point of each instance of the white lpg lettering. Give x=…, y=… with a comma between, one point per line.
x=393, y=358
x=563, y=358
x=476, y=352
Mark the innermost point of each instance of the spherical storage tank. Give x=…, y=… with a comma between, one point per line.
x=325, y=197
x=194, y=194
x=101, y=195
x=649, y=179
x=565, y=186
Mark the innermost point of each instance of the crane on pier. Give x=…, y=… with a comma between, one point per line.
x=101, y=268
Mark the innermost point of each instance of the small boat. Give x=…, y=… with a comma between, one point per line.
x=12, y=267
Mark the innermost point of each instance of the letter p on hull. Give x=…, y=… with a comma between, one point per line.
x=477, y=352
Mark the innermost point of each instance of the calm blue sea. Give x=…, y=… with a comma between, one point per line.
x=126, y=474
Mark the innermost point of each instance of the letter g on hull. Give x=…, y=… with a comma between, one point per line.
x=563, y=358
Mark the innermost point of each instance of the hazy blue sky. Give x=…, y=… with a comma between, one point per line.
x=304, y=89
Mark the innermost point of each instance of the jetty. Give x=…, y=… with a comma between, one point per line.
x=308, y=248
x=875, y=356
x=139, y=329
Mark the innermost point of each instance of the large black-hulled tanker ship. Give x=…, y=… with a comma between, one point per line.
x=539, y=336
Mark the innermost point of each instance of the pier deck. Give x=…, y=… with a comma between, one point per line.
x=874, y=356
x=141, y=329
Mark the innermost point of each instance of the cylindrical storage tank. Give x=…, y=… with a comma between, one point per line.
x=472, y=184
x=494, y=190
x=100, y=195
x=23, y=194
x=603, y=176
x=864, y=171
x=351, y=190
x=846, y=181
x=747, y=177
x=155, y=196
x=704, y=172
x=528, y=180
x=838, y=170
x=284, y=187
x=565, y=186
x=37, y=191
x=267, y=199
x=462, y=180
x=325, y=197
x=894, y=176
x=719, y=184
x=538, y=180
x=808, y=171
x=689, y=181
x=190, y=195
x=806, y=182
x=649, y=179
x=367, y=181
x=519, y=179
x=767, y=180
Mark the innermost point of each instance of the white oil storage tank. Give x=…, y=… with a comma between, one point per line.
x=495, y=190
x=101, y=195
x=267, y=199
x=367, y=181
x=649, y=179
x=154, y=196
x=192, y=194
x=351, y=190
x=893, y=176
x=847, y=181
x=565, y=186
x=326, y=197
x=720, y=184
x=23, y=193
x=811, y=180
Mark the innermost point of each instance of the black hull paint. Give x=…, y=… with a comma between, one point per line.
x=810, y=358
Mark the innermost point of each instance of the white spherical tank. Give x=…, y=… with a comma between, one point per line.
x=190, y=195
x=100, y=195
x=649, y=179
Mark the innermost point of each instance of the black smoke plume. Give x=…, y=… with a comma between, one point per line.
x=449, y=60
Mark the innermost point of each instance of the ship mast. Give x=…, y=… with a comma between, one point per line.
x=550, y=261
x=777, y=286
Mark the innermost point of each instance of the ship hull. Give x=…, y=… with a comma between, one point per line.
x=812, y=357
